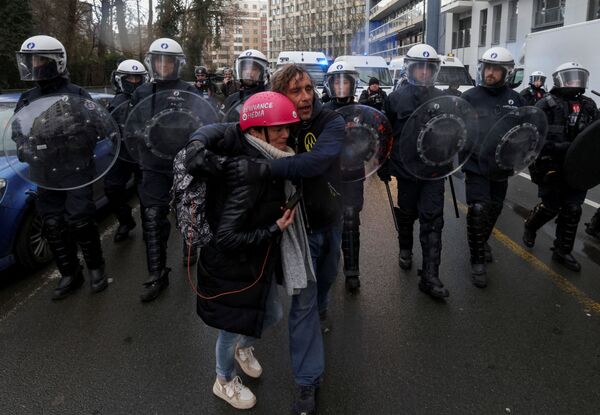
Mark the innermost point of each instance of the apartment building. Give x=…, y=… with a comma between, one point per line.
x=334, y=27
x=473, y=26
x=248, y=30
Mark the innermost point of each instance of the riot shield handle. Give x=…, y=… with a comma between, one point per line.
x=453, y=196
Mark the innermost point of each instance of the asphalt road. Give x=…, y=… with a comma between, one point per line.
x=527, y=344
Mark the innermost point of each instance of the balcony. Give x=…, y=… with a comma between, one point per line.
x=385, y=7
x=405, y=21
x=455, y=6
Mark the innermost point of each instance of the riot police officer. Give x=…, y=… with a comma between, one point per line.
x=536, y=89
x=569, y=112
x=164, y=60
x=422, y=199
x=340, y=83
x=252, y=70
x=129, y=75
x=492, y=98
x=68, y=216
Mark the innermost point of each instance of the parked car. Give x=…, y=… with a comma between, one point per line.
x=21, y=239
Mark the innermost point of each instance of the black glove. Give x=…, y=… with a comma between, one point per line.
x=243, y=170
x=200, y=162
x=384, y=172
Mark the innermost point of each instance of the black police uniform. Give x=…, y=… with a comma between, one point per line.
x=154, y=196
x=485, y=197
x=422, y=199
x=353, y=201
x=531, y=95
x=116, y=179
x=241, y=95
x=568, y=112
x=68, y=216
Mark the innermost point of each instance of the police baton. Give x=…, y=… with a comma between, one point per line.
x=453, y=196
x=389, y=193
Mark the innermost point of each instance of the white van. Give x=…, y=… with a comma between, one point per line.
x=314, y=62
x=369, y=67
x=451, y=69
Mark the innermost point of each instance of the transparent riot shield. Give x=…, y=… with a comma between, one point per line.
x=233, y=113
x=582, y=161
x=367, y=142
x=61, y=142
x=119, y=114
x=161, y=125
x=438, y=138
x=513, y=143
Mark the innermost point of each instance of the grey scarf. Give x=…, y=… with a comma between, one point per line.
x=295, y=251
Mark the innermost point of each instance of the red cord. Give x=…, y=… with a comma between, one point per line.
x=195, y=287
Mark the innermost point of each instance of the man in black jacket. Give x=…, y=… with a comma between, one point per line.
x=373, y=96
x=164, y=60
x=492, y=99
x=316, y=168
x=569, y=112
x=68, y=216
x=129, y=75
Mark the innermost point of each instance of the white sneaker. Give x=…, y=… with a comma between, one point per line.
x=247, y=361
x=235, y=393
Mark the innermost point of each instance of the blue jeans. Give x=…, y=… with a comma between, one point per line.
x=226, y=342
x=306, y=342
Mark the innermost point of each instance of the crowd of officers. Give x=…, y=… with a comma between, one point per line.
x=293, y=143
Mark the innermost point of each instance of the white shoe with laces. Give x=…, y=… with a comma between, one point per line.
x=235, y=393
x=247, y=361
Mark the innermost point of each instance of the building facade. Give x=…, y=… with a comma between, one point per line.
x=248, y=30
x=473, y=26
x=334, y=27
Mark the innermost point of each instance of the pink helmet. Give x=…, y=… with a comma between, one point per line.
x=267, y=109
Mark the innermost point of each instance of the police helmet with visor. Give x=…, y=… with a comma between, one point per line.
x=499, y=58
x=341, y=80
x=537, y=76
x=422, y=65
x=129, y=75
x=251, y=67
x=165, y=60
x=571, y=75
x=41, y=58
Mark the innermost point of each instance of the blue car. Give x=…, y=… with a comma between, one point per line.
x=21, y=239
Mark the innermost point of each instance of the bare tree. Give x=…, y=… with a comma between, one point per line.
x=122, y=25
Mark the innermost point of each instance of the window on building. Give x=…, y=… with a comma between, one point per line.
x=462, y=37
x=513, y=14
x=482, y=27
x=497, y=18
x=548, y=13
x=594, y=10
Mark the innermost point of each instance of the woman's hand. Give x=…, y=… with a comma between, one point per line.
x=286, y=219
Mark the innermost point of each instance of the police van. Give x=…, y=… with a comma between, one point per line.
x=369, y=67
x=451, y=70
x=314, y=62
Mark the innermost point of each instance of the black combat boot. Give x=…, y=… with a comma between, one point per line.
x=405, y=236
x=117, y=199
x=566, y=231
x=431, y=245
x=477, y=226
x=64, y=249
x=593, y=227
x=86, y=234
x=156, y=228
x=351, y=248
x=537, y=218
x=492, y=213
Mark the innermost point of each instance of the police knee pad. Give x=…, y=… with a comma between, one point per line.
x=154, y=219
x=54, y=224
x=572, y=210
x=351, y=218
x=434, y=225
x=477, y=209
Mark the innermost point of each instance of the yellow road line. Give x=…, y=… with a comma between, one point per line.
x=561, y=282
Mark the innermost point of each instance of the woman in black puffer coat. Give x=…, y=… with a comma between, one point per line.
x=239, y=269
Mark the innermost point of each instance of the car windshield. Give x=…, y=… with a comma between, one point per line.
x=453, y=74
x=317, y=72
x=367, y=72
